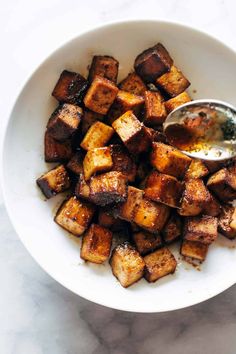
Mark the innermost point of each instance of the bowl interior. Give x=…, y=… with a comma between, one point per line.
x=211, y=68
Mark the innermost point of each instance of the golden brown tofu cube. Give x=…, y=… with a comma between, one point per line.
x=70, y=87
x=201, y=228
x=163, y=188
x=96, y=244
x=155, y=111
x=75, y=215
x=212, y=207
x=100, y=95
x=169, y=160
x=97, y=136
x=153, y=62
x=159, y=264
x=194, y=249
x=56, y=151
x=64, y=121
x=54, y=181
x=104, y=66
x=177, y=101
x=132, y=133
x=173, y=82
x=75, y=164
x=97, y=160
x=89, y=118
x=106, y=218
x=227, y=221
x=197, y=169
x=127, y=265
x=221, y=184
x=172, y=229
x=194, y=199
x=107, y=188
x=122, y=162
x=82, y=188
x=128, y=208
x=134, y=84
x=146, y=242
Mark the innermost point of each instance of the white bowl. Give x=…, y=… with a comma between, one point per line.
x=211, y=67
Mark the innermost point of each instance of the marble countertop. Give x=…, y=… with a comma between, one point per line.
x=39, y=316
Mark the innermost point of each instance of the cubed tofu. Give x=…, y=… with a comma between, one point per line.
x=146, y=242
x=97, y=160
x=133, y=84
x=155, y=111
x=201, y=228
x=82, y=188
x=132, y=133
x=212, y=207
x=122, y=162
x=100, y=95
x=56, y=151
x=75, y=215
x=128, y=208
x=64, y=121
x=107, y=188
x=88, y=119
x=104, y=66
x=155, y=135
x=54, y=181
x=98, y=135
x=75, y=164
x=227, y=221
x=70, y=87
x=194, y=199
x=221, y=184
x=194, y=249
x=153, y=62
x=96, y=244
x=168, y=160
x=163, y=188
x=177, y=101
x=159, y=264
x=107, y=218
x=172, y=229
x=197, y=169
x=173, y=82
x=127, y=265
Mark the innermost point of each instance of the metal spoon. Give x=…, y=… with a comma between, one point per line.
x=204, y=129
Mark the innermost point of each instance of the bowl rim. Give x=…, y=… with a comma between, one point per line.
x=90, y=30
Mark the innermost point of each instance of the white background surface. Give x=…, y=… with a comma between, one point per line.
x=38, y=316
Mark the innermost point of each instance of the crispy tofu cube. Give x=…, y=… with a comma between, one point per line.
x=169, y=160
x=122, y=162
x=64, y=121
x=133, y=84
x=227, y=221
x=173, y=82
x=194, y=199
x=96, y=244
x=97, y=136
x=97, y=160
x=194, y=249
x=127, y=265
x=88, y=119
x=75, y=215
x=106, y=218
x=201, y=228
x=163, y=188
x=177, y=101
x=222, y=185
x=153, y=62
x=212, y=207
x=172, y=229
x=55, y=151
x=54, y=181
x=159, y=264
x=82, y=188
x=155, y=111
x=107, y=188
x=128, y=208
x=146, y=242
x=197, y=169
x=155, y=135
x=70, y=87
x=104, y=66
x=132, y=133
x=100, y=95
x=75, y=164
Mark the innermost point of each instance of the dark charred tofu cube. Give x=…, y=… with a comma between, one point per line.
x=104, y=66
x=132, y=133
x=177, y=101
x=53, y=182
x=155, y=111
x=127, y=265
x=173, y=82
x=122, y=162
x=194, y=199
x=100, y=95
x=106, y=218
x=107, y=188
x=82, y=188
x=97, y=136
x=201, y=228
x=146, y=242
x=97, y=160
x=197, y=169
x=64, y=121
x=75, y=215
x=128, y=208
x=221, y=184
x=89, y=118
x=212, y=207
x=169, y=160
x=227, y=221
x=96, y=244
x=159, y=264
x=133, y=84
x=70, y=87
x=55, y=151
x=163, y=188
x=172, y=229
x=75, y=164
x=153, y=62
x=155, y=135
x=194, y=249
